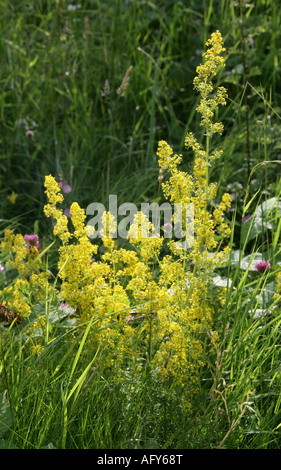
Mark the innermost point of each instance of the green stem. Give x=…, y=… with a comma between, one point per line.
x=4, y=369
x=207, y=184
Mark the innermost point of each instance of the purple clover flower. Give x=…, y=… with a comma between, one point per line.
x=168, y=227
x=63, y=305
x=67, y=189
x=262, y=266
x=29, y=132
x=67, y=212
x=32, y=240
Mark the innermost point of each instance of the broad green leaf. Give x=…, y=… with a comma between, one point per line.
x=219, y=281
x=252, y=228
x=265, y=218
x=246, y=262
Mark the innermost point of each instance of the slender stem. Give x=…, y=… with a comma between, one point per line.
x=150, y=339
x=245, y=72
x=4, y=369
x=207, y=183
x=207, y=168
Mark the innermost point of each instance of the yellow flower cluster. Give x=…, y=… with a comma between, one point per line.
x=218, y=213
x=203, y=84
x=145, y=307
x=91, y=287
x=189, y=313
x=37, y=349
x=17, y=297
x=36, y=327
x=141, y=234
x=16, y=246
x=30, y=284
x=55, y=196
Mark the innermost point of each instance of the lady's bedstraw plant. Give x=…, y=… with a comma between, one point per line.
x=29, y=286
x=146, y=317
x=189, y=310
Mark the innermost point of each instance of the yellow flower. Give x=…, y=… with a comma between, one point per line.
x=12, y=197
x=53, y=190
x=142, y=234
x=37, y=349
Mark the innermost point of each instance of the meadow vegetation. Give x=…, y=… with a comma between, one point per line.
x=134, y=343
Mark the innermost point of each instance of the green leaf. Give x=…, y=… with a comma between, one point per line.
x=219, y=281
x=33, y=62
x=265, y=218
x=267, y=207
x=252, y=228
x=268, y=292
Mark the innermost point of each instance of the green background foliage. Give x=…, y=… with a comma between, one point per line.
x=61, y=64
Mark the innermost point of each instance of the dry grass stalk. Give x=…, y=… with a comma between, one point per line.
x=121, y=90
